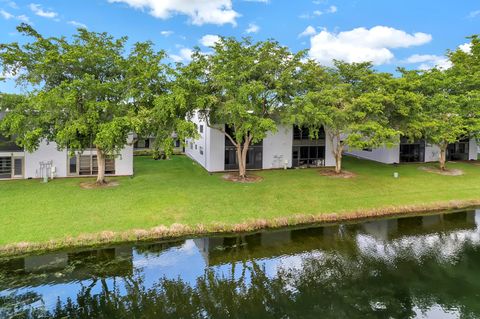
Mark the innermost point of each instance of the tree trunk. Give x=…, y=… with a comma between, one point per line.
x=101, y=167
x=443, y=156
x=338, y=162
x=337, y=150
x=242, y=172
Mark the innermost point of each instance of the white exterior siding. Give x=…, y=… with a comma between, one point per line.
x=47, y=151
x=382, y=154
x=195, y=147
x=329, y=157
x=472, y=149
x=215, y=147
x=432, y=153
x=277, y=148
x=124, y=162
x=392, y=155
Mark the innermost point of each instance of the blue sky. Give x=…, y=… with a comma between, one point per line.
x=408, y=33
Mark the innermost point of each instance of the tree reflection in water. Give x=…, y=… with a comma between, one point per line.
x=364, y=272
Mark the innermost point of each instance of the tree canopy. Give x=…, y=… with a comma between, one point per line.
x=244, y=85
x=84, y=93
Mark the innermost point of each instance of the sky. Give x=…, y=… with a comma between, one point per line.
x=396, y=33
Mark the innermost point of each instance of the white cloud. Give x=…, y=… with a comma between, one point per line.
x=166, y=33
x=11, y=4
x=252, y=28
x=361, y=44
x=77, y=24
x=309, y=31
x=429, y=61
x=6, y=15
x=37, y=9
x=185, y=55
x=209, y=40
x=317, y=13
x=332, y=9
x=466, y=47
x=474, y=14
x=23, y=18
x=200, y=11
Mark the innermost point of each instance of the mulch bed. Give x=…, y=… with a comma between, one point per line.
x=447, y=172
x=93, y=185
x=330, y=172
x=232, y=177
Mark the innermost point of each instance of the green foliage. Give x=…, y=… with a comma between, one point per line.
x=349, y=100
x=243, y=85
x=84, y=93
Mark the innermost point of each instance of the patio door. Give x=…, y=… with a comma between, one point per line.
x=5, y=167
x=18, y=167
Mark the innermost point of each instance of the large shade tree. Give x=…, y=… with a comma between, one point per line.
x=87, y=92
x=243, y=86
x=349, y=101
x=451, y=99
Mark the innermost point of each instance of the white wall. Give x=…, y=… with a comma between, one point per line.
x=124, y=162
x=47, y=151
x=432, y=153
x=194, y=146
x=277, y=148
x=215, y=150
x=329, y=157
x=472, y=149
x=381, y=154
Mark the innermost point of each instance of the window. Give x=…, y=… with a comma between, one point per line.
x=5, y=167
x=89, y=165
x=303, y=133
x=201, y=128
x=191, y=145
x=18, y=166
x=367, y=149
x=201, y=150
x=72, y=165
x=195, y=146
x=142, y=143
x=177, y=143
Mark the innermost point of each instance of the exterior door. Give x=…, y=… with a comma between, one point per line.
x=18, y=167
x=5, y=167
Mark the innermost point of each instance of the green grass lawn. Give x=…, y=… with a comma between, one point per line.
x=180, y=191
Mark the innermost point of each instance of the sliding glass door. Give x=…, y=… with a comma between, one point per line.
x=6, y=167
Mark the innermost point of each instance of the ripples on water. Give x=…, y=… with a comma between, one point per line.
x=415, y=267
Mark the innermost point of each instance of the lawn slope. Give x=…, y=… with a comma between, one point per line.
x=180, y=191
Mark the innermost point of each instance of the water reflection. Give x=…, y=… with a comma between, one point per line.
x=426, y=267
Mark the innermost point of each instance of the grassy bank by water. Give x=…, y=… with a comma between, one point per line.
x=177, y=197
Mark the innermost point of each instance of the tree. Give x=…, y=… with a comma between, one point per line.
x=84, y=93
x=349, y=101
x=443, y=119
x=244, y=86
x=450, y=102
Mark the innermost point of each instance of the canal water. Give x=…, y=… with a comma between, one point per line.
x=413, y=267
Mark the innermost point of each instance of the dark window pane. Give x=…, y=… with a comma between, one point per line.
x=304, y=152
x=73, y=165
x=5, y=167
x=313, y=151
x=18, y=167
